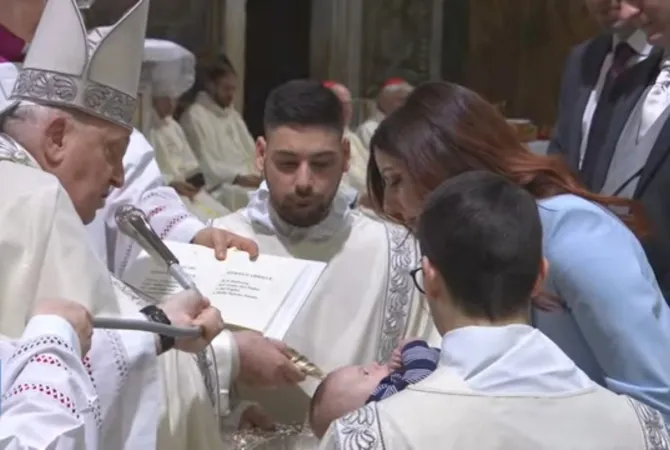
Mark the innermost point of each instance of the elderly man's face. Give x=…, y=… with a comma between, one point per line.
x=86, y=154
x=654, y=20
x=613, y=14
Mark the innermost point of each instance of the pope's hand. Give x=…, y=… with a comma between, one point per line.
x=265, y=362
x=189, y=308
x=75, y=314
x=222, y=240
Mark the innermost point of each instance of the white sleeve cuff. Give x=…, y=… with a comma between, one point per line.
x=186, y=229
x=227, y=366
x=51, y=324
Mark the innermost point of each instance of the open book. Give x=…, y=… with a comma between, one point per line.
x=264, y=295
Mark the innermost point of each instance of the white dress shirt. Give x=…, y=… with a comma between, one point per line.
x=638, y=42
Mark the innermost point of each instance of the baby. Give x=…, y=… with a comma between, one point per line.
x=349, y=388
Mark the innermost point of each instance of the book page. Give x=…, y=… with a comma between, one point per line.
x=248, y=293
x=153, y=279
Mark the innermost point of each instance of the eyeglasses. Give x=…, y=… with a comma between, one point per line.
x=417, y=277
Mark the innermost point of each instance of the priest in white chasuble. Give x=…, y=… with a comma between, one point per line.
x=356, y=176
x=220, y=138
x=500, y=383
x=172, y=72
x=392, y=95
x=364, y=301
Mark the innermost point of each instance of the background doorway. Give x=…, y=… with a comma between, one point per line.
x=276, y=50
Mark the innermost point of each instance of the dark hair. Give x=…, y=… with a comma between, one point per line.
x=303, y=103
x=221, y=67
x=444, y=129
x=484, y=236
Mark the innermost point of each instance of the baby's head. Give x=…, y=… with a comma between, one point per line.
x=342, y=391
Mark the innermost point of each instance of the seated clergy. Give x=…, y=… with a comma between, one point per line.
x=82, y=144
x=500, y=383
x=364, y=302
x=220, y=138
x=144, y=187
x=172, y=72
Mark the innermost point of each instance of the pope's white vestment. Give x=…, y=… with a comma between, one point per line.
x=35, y=208
x=357, y=174
x=364, y=302
x=178, y=163
x=44, y=256
x=188, y=419
x=224, y=147
x=40, y=368
x=501, y=388
x=144, y=187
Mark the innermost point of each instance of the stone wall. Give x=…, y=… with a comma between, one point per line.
x=512, y=51
x=401, y=38
x=364, y=42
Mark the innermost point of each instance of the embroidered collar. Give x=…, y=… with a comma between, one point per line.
x=10, y=150
x=260, y=212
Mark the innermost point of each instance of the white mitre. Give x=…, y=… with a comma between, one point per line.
x=64, y=68
x=171, y=68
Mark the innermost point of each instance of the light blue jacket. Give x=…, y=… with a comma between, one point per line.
x=617, y=324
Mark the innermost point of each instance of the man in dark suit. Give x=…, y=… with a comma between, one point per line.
x=612, y=126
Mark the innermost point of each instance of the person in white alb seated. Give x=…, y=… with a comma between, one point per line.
x=481, y=240
x=220, y=138
x=364, y=301
x=172, y=72
x=59, y=156
x=145, y=188
x=392, y=95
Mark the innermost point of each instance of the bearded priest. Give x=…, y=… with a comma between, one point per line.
x=364, y=302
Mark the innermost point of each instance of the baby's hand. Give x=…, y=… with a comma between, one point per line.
x=396, y=357
x=395, y=362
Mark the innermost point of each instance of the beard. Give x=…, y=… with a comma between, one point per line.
x=302, y=210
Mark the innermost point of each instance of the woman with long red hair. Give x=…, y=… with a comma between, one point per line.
x=614, y=321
